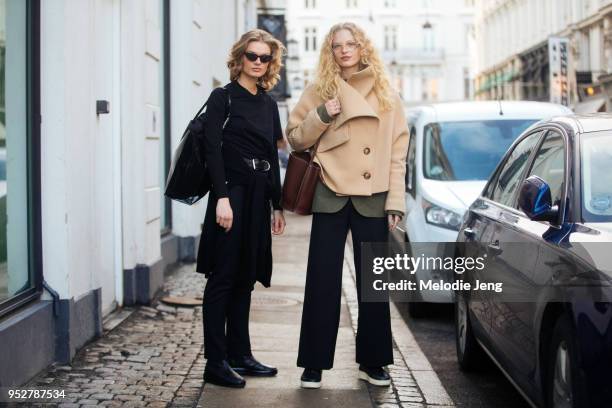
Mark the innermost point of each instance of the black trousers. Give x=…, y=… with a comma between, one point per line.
x=321, y=311
x=224, y=302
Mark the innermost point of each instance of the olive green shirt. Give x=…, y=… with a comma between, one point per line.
x=327, y=201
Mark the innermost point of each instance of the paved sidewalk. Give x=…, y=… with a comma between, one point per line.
x=153, y=356
x=275, y=329
x=147, y=356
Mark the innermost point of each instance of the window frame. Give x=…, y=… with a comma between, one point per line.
x=411, y=167
x=544, y=129
x=166, y=139
x=487, y=191
x=33, y=112
x=524, y=171
x=564, y=189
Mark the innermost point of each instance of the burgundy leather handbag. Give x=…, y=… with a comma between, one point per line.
x=300, y=181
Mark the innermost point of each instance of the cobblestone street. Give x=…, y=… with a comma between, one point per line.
x=153, y=356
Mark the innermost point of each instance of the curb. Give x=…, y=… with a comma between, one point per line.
x=420, y=377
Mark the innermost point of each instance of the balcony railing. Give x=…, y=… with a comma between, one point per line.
x=413, y=55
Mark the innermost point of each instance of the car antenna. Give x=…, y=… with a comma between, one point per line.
x=501, y=111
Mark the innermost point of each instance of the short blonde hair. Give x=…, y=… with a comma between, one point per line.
x=272, y=75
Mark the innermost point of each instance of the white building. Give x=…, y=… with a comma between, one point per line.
x=91, y=109
x=426, y=44
x=513, y=58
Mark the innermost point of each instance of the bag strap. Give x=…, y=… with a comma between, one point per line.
x=229, y=105
x=313, y=151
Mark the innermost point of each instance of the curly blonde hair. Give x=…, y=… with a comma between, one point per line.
x=272, y=75
x=328, y=71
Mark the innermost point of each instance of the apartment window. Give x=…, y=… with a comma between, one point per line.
x=390, y=33
x=297, y=83
x=468, y=28
x=429, y=39
x=20, y=266
x=310, y=39
x=351, y=4
x=310, y=4
x=307, y=77
x=466, y=83
x=429, y=88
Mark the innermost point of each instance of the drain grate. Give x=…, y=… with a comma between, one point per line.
x=181, y=301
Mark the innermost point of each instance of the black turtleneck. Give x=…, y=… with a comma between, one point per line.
x=252, y=130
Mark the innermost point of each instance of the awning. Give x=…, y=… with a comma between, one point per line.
x=591, y=105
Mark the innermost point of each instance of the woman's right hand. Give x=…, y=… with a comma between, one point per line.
x=333, y=107
x=225, y=215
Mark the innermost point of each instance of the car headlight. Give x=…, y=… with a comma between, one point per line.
x=441, y=217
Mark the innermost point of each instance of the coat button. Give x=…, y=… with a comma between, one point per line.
x=367, y=175
x=366, y=150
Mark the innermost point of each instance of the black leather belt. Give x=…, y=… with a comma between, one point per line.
x=258, y=164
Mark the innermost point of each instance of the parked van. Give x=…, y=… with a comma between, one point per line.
x=454, y=148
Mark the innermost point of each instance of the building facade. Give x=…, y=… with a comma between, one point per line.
x=516, y=50
x=94, y=98
x=418, y=41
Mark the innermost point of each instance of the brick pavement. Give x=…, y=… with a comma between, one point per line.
x=154, y=357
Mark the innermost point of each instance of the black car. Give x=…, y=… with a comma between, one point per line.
x=544, y=224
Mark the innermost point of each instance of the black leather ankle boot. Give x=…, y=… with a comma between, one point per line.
x=247, y=365
x=220, y=373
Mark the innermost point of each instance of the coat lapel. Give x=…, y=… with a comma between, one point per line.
x=352, y=97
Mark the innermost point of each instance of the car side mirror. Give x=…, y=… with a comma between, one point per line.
x=535, y=199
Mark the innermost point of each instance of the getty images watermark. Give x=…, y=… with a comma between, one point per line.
x=497, y=272
x=409, y=264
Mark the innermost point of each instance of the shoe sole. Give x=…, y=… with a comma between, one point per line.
x=381, y=383
x=208, y=381
x=310, y=384
x=253, y=373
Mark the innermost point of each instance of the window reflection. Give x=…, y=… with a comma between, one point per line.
x=469, y=150
x=14, y=270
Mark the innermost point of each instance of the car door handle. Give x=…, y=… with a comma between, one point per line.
x=494, y=247
x=470, y=233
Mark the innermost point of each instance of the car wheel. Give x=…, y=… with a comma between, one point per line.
x=469, y=353
x=563, y=385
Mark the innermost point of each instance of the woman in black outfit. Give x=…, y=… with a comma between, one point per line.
x=242, y=127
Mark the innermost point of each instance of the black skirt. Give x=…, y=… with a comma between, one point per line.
x=256, y=241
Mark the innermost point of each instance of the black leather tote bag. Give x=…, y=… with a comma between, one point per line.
x=188, y=179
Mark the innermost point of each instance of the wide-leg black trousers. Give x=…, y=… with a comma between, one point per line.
x=226, y=302
x=321, y=311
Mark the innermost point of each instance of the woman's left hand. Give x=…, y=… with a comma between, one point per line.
x=278, y=222
x=393, y=221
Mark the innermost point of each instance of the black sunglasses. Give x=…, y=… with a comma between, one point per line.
x=251, y=56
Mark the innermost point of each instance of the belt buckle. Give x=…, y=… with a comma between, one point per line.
x=268, y=165
x=254, y=166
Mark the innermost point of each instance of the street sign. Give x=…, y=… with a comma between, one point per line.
x=558, y=54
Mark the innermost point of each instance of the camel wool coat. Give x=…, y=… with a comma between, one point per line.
x=363, y=150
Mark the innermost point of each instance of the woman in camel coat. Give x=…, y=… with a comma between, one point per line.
x=360, y=125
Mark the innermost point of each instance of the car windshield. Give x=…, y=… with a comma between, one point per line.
x=468, y=150
x=596, y=169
